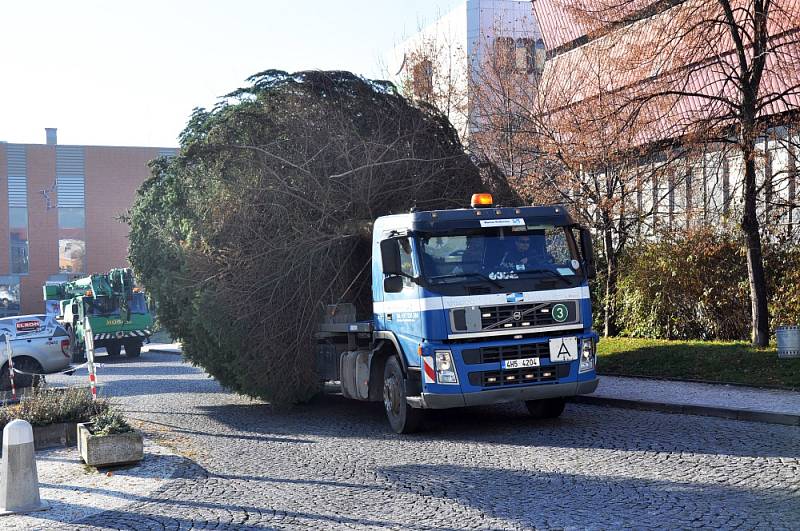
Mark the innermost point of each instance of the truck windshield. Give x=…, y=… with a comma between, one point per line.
x=110, y=305
x=503, y=259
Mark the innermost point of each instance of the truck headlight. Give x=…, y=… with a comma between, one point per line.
x=587, y=355
x=445, y=368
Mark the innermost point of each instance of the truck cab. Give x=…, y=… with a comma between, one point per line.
x=476, y=306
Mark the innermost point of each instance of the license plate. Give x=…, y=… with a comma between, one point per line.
x=563, y=349
x=521, y=363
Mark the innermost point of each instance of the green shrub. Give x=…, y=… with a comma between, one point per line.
x=782, y=265
x=51, y=406
x=109, y=422
x=691, y=285
x=695, y=285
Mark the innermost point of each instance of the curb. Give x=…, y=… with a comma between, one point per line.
x=691, y=409
x=162, y=351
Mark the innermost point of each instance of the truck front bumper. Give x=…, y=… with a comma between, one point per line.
x=499, y=396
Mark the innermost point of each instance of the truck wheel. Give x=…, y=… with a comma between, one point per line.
x=133, y=349
x=402, y=417
x=546, y=409
x=5, y=381
x=30, y=366
x=113, y=349
x=75, y=350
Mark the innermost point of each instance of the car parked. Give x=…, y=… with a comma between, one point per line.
x=40, y=345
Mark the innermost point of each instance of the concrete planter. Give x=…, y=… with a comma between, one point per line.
x=52, y=435
x=107, y=450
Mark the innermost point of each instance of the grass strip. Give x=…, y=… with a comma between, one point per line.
x=734, y=362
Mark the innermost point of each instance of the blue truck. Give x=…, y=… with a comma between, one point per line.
x=472, y=306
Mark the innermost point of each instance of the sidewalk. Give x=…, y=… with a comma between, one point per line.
x=163, y=348
x=75, y=491
x=726, y=401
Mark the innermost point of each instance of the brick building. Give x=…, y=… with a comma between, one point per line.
x=59, y=210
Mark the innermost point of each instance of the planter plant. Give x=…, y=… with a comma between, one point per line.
x=53, y=413
x=109, y=440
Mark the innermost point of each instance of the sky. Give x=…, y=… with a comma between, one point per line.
x=129, y=73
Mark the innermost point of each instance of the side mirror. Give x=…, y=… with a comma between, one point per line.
x=587, y=250
x=390, y=257
x=74, y=308
x=393, y=284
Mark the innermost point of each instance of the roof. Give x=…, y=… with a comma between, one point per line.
x=638, y=60
x=566, y=21
x=469, y=218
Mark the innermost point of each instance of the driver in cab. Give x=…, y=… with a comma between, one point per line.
x=524, y=254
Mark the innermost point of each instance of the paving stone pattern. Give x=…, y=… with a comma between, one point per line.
x=74, y=491
x=333, y=464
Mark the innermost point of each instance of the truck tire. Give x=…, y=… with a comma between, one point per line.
x=133, y=349
x=549, y=408
x=113, y=349
x=29, y=365
x=75, y=350
x=402, y=417
x=5, y=381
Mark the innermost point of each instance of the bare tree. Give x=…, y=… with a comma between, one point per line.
x=715, y=71
x=557, y=147
x=434, y=70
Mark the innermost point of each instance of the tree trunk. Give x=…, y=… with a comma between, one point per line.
x=755, y=260
x=610, y=324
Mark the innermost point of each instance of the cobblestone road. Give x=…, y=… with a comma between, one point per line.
x=334, y=464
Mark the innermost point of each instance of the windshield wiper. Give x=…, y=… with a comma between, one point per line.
x=548, y=271
x=478, y=275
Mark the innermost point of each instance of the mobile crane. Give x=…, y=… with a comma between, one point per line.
x=110, y=305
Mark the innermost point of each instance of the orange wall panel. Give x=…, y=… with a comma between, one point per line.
x=113, y=174
x=42, y=227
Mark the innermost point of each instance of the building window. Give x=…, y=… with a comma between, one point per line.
x=71, y=218
x=422, y=79
x=70, y=180
x=71, y=255
x=524, y=55
x=17, y=167
x=792, y=175
x=505, y=53
x=539, y=56
x=18, y=232
x=726, y=186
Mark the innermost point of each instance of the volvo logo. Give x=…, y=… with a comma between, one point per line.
x=517, y=316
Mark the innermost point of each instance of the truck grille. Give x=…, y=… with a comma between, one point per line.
x=525, y=315
x=529, y=375
x=513, y=352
